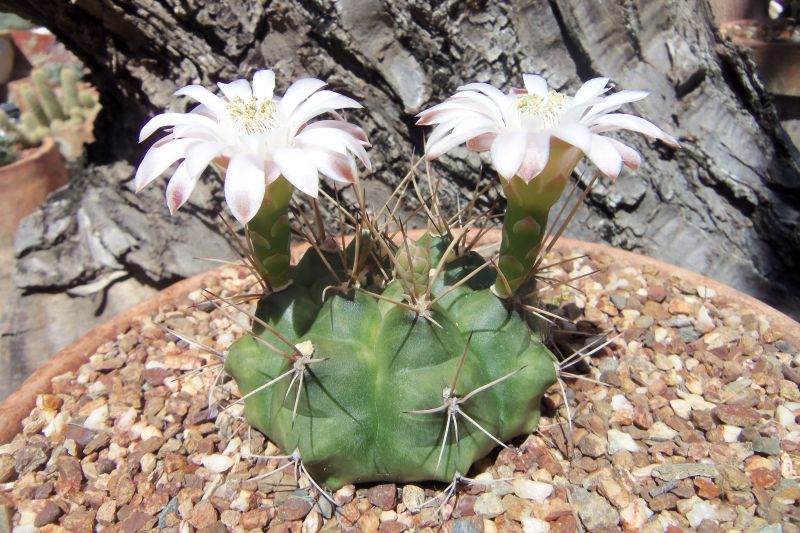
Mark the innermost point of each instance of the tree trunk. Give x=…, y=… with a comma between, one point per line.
x=725, y=204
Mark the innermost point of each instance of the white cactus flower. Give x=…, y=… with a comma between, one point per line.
x=517, y=128
x=262, y=137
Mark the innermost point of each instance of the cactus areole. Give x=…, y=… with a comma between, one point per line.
x=390, y=359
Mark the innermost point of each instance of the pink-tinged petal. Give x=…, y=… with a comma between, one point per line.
x=577, y=135
x=333, y=139
x=180, y=186
x=481, y=143
x=537, y=153
x=199, y=156
x=297, y=92
x=317, y=104
x=163, y=120
x=236, y=89
x=212, y=102
x=621, y=121
x=296, y=167
x=244, y=186
x=159, y=158
x=508, y=152
x=264, y=84
x=461, y=105
x=590, y=90
x=535, y=84
x=272, y=172
x=333, y=165
x=347, y=127
x=449, y=141
x=605, y=156
x=630, y=157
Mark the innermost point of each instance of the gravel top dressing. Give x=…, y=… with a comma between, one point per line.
x=687, y=421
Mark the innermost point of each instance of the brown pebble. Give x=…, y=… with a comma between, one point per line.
x=764, y=478
x=255, y=518
x=592, y=445
x=79, y=521
x=564, y=524
x=736, y=415
x=706, y=488
x=663, y=502
x=657, y=293
x=48, y=514
x=203, y=515
x=383, y=496
x=740, y=497
x=135, y=522
x=392, y=526
x=294, y=508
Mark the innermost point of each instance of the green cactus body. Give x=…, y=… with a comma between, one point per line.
x=47, y=97
x=378, y=361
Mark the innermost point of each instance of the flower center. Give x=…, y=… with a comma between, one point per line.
x=252, y=116
x=546, y=109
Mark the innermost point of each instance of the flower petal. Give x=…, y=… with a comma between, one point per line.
x=481, y=143
x=590, y=90
x=244, y=186
x=212, y=102
x=630, y=157
x=508, y=152
x=180, y=186
x=348, y=127
x=171, y=119
x=605, y=156
x=537, y=153
x=297, y=92
x=296, y=167
x=264, y=84
x=317, y=104
x=236, y=89
x=159, y=158
x=198, y=156
x=535, y=84
x=621, y=121
x=577, y=135
x=333, y=165
x=334, y=139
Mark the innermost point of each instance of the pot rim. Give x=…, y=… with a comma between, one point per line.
x=48, y=143
x=19, y=403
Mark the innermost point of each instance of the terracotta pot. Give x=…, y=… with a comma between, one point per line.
x=25, y=183
x=19, y=404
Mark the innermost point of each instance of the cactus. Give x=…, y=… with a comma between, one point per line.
x=409, y=378
x=46, y=115
x=7, y=154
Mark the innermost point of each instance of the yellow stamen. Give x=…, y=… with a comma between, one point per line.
x=252, y=116
x=548, y=109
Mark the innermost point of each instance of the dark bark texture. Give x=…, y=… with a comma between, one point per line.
x=725, y=204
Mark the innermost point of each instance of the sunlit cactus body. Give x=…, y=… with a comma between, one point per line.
x=352, y=405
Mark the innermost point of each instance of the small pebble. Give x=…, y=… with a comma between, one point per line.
x=618, y=440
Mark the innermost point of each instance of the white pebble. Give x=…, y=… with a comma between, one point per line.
x=534, y=525
x=703, y=321
x=618, y=440
x=619, y=401
x=731, y=433
x=217, y=462
x=97, y=418
x=661, y=432
x=532, y=490
x=705, y=292
x=784, y=416
x=701, y=511
x=682, y=408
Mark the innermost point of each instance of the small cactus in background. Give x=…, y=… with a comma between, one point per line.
x=390, y=358
x=45, y=114
x=7, y=154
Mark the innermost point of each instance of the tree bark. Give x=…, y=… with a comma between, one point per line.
x=725, y=204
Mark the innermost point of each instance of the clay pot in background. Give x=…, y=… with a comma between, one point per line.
x=26, y=182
